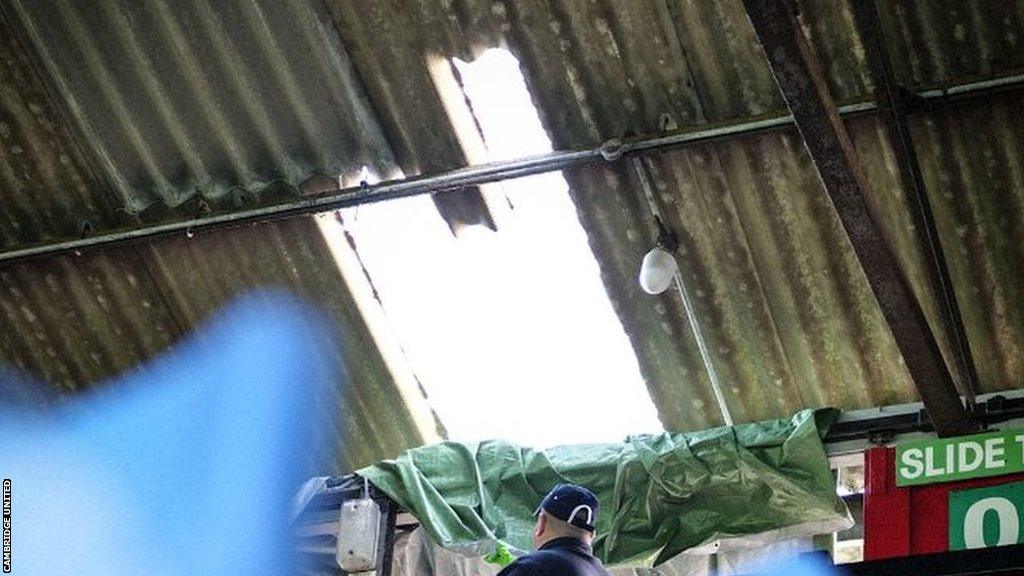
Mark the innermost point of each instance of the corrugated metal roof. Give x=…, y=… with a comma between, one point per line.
x=197, y=276
x=972, y=157
x=780, y=295
x=402, y=87
x=48, y=187
x=934, y=41
x=200, y=98
x=211, y=97
x=78, y=320
x=783, y=304
x=600, y=68
x=217, y=100
x=75, y=321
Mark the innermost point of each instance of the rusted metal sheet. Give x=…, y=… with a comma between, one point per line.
x=47, y=188
x=892, y=102
x=204, y=98
x=78, y=321
x=136, y=112
x=972, y=160
x=934, y=40
x=789, y=317
x=803, y=88
x=199, y=275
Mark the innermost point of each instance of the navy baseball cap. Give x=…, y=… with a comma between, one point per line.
x=572, y=504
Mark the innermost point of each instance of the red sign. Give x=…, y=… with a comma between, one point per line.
x=909, y=520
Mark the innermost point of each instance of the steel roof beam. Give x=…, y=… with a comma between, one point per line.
x=802, y=84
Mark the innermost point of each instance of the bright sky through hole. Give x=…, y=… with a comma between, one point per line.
x=511, y=333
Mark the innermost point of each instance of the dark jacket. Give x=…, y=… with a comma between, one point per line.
x=561, y=557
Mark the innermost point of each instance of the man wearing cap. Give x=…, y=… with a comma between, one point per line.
x=562, y=536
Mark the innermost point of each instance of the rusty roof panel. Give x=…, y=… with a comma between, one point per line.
x=47, y=188
x=932, y=41
x=785, y=305
x=206, y=97
x=779, y=294
x=73, y=321
x=786, y=311
x=200, y=274
x=76, y=321
x=972, y=159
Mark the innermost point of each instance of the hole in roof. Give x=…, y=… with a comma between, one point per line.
x=511, y=333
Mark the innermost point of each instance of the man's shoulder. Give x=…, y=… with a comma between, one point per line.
x=533, y=563
x=544, y=563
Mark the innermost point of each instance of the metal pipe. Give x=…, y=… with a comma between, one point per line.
x=684, y=295
x=482, y=174
x=318, y=204
x=702, y=346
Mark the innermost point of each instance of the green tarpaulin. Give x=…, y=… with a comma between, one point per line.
x=660, y=494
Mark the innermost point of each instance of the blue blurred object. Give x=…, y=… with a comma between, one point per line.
x=185, y=467
x=807, y=564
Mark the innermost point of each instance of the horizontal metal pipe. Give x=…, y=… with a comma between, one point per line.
x=474, y=175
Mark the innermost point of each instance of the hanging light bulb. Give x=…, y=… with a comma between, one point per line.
x=658, y=268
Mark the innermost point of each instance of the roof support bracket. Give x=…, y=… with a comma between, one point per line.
x=802, y=84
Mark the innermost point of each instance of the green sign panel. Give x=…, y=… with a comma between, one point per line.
x=943, y=460
x=983, y=517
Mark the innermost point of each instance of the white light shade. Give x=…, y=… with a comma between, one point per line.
x=657, y=270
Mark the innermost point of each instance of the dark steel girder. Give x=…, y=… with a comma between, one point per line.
x=802, y=84
x=892, y=104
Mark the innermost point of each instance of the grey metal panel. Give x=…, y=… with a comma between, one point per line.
x=787, y=310
x=893, y=105
x=802, y=85
x=48, y=189
x=178, y=99
x=76, y=322
x=972, y=161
